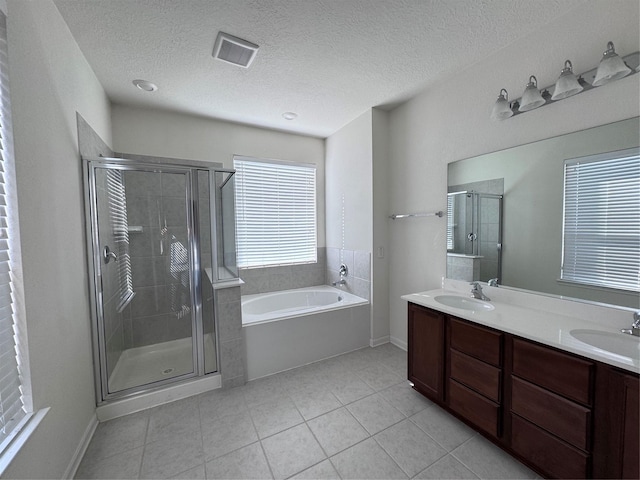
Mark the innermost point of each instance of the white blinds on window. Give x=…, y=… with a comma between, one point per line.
x=450, y=216
x=601, y=243
x=120, y=231
x=11, y=407
x=275, y=211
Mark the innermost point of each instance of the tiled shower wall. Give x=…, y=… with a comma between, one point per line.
x=156, y=202
x=463, y=268
x=486, y=267
x=358, y=270
x=490, y=221
x=232, y=357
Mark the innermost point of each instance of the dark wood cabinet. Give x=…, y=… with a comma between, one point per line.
x=474, y=375
x=557, y=371
x=546, y=453
x=563, y=415
x=629, y=446
x=551, y=396
x=426, y=351
x=618, y=448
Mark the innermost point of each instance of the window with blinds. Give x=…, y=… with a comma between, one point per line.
x=601, y=235
x=450, y=225
x=12, y=411
x=275, y=212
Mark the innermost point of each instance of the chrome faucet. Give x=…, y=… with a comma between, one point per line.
x=476, y=292
x=635, y=326
x=343, y=273
x=493, y=282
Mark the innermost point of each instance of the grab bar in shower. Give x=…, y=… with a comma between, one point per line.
x=395, y=216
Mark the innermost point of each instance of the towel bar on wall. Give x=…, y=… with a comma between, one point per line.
x=408, y=215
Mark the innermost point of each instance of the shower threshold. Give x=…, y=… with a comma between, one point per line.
x=160, y=361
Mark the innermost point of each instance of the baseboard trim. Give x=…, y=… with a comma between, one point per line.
x=72, y=469
x=376, y=342
x=399, y=343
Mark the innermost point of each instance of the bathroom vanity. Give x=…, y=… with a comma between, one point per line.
x=520, y=376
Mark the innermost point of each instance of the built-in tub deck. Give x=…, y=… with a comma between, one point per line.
x=291, y=328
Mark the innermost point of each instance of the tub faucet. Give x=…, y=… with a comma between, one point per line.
x=343, y=271
x=635, y=326
x=476, y=292
x=493, y=282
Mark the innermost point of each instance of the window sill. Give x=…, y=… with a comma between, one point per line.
x=25, y=429
x=602, y=288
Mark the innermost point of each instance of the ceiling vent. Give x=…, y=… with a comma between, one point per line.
x=234, y=50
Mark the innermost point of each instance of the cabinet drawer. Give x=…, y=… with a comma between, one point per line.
x=477, y=375
x=559, y=372
x=558, y=459
x=479, y=342
x=564, y=418
x=484, y=413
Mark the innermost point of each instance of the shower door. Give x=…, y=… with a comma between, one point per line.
x=146, y=302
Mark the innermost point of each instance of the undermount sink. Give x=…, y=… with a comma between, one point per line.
x=464, y=303
x=619, y=343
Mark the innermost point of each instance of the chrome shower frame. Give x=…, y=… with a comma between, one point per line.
x=190, y=169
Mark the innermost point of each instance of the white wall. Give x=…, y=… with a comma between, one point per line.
x=450, y=121
x=356, y=187
x=381, y=224
x=167, y=134
x=50, y=80
x=349, y=176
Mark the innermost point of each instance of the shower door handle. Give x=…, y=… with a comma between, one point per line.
x=107, y=254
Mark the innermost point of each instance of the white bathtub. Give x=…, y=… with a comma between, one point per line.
x=288, y=329
x=267, y=307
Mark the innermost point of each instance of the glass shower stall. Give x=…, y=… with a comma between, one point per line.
x=157, y=234
x=474, y=236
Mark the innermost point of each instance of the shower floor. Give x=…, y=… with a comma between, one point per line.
x=144, y=365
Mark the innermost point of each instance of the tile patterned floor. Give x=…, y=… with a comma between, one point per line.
x=352, y=416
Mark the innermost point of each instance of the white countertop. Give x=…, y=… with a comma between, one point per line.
x=539, y=318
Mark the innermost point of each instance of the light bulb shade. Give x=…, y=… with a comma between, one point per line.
x=531, y=98
x=502, y=108
x=611, y=67
x=567, y=84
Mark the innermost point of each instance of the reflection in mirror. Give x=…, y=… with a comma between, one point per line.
x=474, y=242
x=532, y=178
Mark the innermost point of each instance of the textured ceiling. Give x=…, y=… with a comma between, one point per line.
x=326, y=60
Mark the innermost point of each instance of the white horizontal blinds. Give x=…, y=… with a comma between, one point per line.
x=275, y=211
x=11, y=405
x=450, y=216
x=120, y=232
x=601, y=244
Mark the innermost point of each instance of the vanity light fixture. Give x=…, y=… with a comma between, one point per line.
x=612, y=67
x=567, y=83
x=531, y=98
x=502, y=108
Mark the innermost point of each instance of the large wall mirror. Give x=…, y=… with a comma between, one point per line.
x=506, y=213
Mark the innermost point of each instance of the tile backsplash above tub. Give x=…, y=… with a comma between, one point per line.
x=359, y=270
x=324, y=272
x=274, y=279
